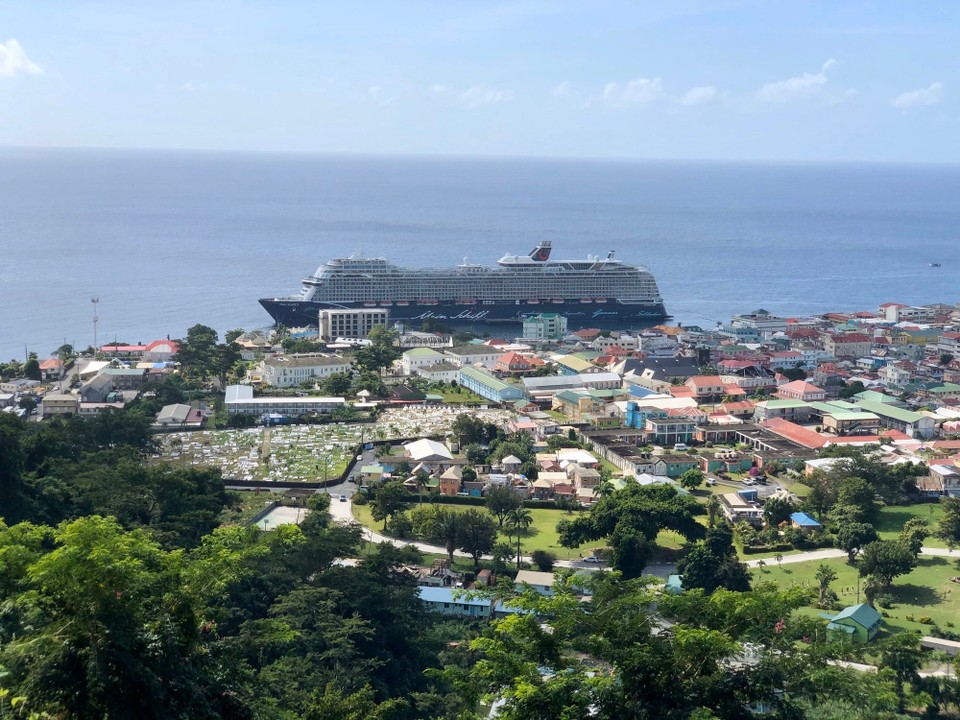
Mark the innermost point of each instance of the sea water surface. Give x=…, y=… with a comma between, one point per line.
x=169, y=239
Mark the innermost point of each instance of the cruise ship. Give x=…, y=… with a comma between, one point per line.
x=594, y=292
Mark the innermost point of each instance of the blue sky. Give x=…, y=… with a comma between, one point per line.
x=687, y=80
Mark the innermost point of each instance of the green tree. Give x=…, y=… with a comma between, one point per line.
x=630, y=551
x=476, y=533
x=948, y=529
x=31, y=368
x=692, y=479
x=946, y=359
x=501, y=501
x=825, y=575
x=337, y=384
x=885, y=560
x=543, y=559
x=850, y=389
x=389, y=499
x=520, y=520
x=852, y=537
x=777, y=510
x=914, y=532
x=902, y=655
x=713, y=564
x=855, y=492
x=197, y=353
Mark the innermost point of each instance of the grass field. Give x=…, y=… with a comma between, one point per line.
x=925, y=592
x=542, y=534
x=892, y=519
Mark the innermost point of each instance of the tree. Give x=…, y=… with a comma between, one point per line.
x=520, y=519
x=777, y=510
x=713, y=564
x=630, y=551
x=381, y=353
x=197, y=353
x=948, y=529
x=825, y=575
x=914, y=532
x=31, y=369
x=543, y=559
x=885, y=560
x=853, y=536
x=902, y=654
x=946, y=359
x=713, y=507
x=793, y=373
x=501, y=501
x=476, y=533
x=390, y=498
x=855, y=492
x=851, y=389
x=692, y=479
x=448, y=530
x=336, y=384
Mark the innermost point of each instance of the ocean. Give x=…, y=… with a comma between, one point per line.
x=169, y=239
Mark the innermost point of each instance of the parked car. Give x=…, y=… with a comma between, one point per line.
x=748, y=481
x=343, y=498
x=711, y=482
x=592, y=559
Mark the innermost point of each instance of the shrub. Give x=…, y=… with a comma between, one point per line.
x=400, y=525
x=924, y=620
x=884, y=600
x=361, y=499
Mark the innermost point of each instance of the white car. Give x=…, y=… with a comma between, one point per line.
x=592, y=559
x=748, y=481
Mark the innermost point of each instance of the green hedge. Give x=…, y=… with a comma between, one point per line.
x=782, y=547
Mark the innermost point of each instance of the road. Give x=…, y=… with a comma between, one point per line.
x=832, y=553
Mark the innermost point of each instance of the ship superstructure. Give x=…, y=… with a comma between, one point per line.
x=595, y=291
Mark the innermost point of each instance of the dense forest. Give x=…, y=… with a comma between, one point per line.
x=123, y=595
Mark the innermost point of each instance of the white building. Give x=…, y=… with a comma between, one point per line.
x=291, y=370
x=350, y=323
x=239, y=400
x=413, y=360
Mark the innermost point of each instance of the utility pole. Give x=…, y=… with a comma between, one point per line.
x=96, y=319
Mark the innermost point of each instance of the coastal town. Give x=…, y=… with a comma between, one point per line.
x=814, y=443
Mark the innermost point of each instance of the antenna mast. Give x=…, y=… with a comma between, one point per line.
x=96, y=319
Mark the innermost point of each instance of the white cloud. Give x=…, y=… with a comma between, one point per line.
x=193, y=88
x=699, y=95
x=561, y=89
x=798, y=87
x=482, y=95
x=640, y=90
x=14, y=61
x=439, y=89
x=930, y=95
x=375, y=93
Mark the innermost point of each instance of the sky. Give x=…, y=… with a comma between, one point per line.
x=728, y=80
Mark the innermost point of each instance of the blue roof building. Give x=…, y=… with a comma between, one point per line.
x=804, y=522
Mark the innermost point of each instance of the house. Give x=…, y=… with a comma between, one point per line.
x=370, y=474
x=804, y=522
x=239, y=400
x=56, y=404
x=514, y=362
x=50, y=369
x=706, y=387
x=655, y=373
x=947, y=479
x=441, y=372
x=801, y=390
x=861, y=622
x=427, y=450
x=542, y=582
x=160, y=351
x=545, y=326
x=96, y=389
x=451, y=601
x=450, y=481
x=126, y=378
x=736, y=508
x=466, y=355
x=178, y=416
x=911, y=423
x=18, y=385
x=573, y=365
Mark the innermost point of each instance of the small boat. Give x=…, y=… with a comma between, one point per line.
x=585, y=301
x=385, y=303
x=428, y=301
x=466, y=301
x=369, y=303
x=533, y=301
x=402, y=303
x=599, y=300
x=557, y=301
x=934, y=264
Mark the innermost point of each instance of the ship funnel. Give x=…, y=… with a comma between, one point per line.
x=610, y=255
x=541, y=252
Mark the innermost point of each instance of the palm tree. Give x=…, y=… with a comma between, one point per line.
x=520, y=519
x=603, y=489
x=712, y=506
x=421, y=478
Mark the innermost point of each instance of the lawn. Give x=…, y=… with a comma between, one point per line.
x=455, y=395
x=925, y=592
x=893, y=517
x=542, y=534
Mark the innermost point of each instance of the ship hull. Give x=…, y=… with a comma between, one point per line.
x=612, y=314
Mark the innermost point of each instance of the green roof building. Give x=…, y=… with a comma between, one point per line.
x=861, y=622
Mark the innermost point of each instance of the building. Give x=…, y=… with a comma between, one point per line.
x=50, y=369
x=179, y=415
x=239, y=400
x=515, y=363
x=801, y=390
x=487, y=386
x=546, y=326
x=451, y=601
x=464, y=355
x=355, y=323
x=160, y=351
x=291, y=370
x=908, y=422
x=792, y=410
x=760, y=321
x=860, y=622
x=847, y=345
x=126, y=378
x=706, y=387
x=96, y=389
x=428, y=451
x=804, y=522
x=412, y=360
x=440, y=372
x=542, y=582
x=736, y=508
x=56, y=404
x=671, y=430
